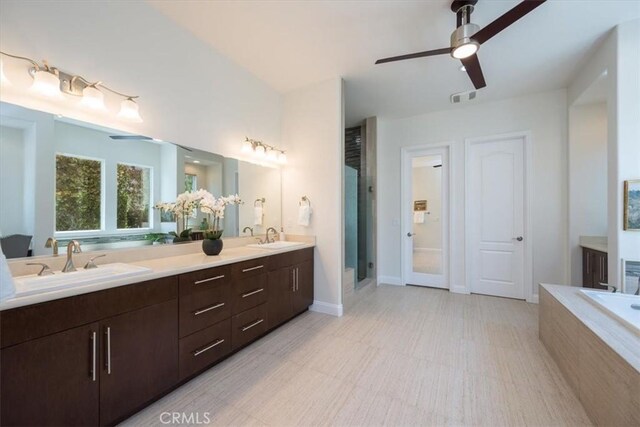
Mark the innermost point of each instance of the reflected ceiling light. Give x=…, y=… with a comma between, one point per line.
x=129, y=111
x=282, y=158
x=52, y=82
x=247, y=146
x=4, y=81
x=93, y=99
x=196, y=161
x=46, y=83
x=260, y=151
x=272, y=155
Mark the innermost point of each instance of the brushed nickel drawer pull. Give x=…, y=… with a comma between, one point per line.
x=248, y=294
x=257, y=322
x=252, y=268
x=204, y=310
x=197, y=282
x=207, y=348
x=108, y=334
x=93, y=356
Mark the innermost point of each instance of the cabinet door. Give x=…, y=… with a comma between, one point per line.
x=52, y=380
x=601, y=273
x=139, y=359
x=279, y=300
x=303, y=295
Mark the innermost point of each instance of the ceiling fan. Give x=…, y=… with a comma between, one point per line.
x=467, y=37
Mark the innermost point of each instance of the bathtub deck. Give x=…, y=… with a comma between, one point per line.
x=598, y=355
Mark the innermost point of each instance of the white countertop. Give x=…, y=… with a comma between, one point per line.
x=160, y=267
x=597, y=243
x=615, y=334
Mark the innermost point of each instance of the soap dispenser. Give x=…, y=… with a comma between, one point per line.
x=282, y=236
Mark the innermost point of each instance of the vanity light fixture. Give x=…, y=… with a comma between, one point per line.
x=264, y=151
x=50, y=82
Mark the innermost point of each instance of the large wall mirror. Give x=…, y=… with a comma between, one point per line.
x=67, y=179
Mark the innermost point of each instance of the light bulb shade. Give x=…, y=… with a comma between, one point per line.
x=272, y=155
x=260, y=151
x=247, y=147
x=282, y=158
x=465, y=50
x=4, y=81
x=129, y=111
x=46, y=84
x=92, y=98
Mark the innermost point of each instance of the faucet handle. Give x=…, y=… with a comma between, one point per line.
x=91, y=264
x=45, y=271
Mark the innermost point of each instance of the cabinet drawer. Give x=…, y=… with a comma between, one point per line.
x=199, y=310
x=250, y=268
x=202, y=349
x=288, y=259
x=249, y=325
x=249, y=292
x=204, y=279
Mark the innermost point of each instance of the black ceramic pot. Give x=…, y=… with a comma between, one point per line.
x=212, y=247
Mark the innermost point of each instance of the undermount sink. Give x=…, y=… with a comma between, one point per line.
x=29, y=285
x=275, y=245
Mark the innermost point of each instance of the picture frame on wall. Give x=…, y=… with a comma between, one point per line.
x=631, y=220
x=631, y=277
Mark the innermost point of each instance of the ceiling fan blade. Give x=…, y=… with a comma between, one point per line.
x=472, y=65
x=506, y=20
x=415, y=55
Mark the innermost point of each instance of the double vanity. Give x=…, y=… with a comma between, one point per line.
x=97, y=351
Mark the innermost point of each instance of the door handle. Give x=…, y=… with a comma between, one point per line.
x=409, y=234
x=519, y=238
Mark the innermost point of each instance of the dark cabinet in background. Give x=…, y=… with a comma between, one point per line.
x=594, y=268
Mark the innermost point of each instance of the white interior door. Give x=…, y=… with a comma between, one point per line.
x=425, y=218
x=496, y=198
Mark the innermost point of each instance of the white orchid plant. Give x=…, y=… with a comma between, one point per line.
x=188, y=202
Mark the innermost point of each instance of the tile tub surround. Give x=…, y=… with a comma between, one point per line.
x=598, y=356
x=597, y=243
x=163, y=260
x=401, y=356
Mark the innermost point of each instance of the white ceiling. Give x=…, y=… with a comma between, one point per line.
x=290, y=44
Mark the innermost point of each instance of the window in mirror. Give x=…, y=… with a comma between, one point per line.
x=78, y=193
x=134, y=195
x=190, y=182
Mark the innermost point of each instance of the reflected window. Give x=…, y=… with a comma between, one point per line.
x=134, y=195
x=78, y=193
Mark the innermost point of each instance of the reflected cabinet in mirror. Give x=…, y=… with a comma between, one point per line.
x=65, y=180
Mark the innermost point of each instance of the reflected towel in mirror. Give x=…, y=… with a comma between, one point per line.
x=258, y=215
x=418, y=217
x=304, y=215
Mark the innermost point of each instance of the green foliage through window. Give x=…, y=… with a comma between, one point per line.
x=134, y=189
x=78, y=193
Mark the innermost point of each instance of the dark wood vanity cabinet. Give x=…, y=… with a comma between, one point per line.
x=594, y=268
x=290, y=284
x=97, y=358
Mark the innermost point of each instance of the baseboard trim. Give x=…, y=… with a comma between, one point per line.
x=327, y=308
x=535, y=299
x=459, y=290
x=389, y=280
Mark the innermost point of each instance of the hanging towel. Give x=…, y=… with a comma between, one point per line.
x=304, y=215
x=258, y=215
x=7, y=286
x=418, y=217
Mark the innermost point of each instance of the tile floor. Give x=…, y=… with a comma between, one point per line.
x=401, y=356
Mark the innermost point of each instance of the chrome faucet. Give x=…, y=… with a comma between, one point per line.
x=244, y=230
x=266, y=239
x=72, y=247
x=52, y=243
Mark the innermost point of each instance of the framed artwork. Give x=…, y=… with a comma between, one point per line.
x=419, y=205
x=632, y=205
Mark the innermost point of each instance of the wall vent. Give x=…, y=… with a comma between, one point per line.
x=462, y=97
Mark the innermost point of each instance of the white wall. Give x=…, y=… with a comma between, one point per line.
x=619, y=57
x=12, y=181
x=313, y=133
x=545, y=115
x=189, y=93
x=587, y=179
x=427, y=185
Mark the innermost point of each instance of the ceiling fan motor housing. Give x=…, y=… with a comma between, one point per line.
x=462, y=36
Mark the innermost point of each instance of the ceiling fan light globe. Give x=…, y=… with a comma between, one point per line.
x=465, y=50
